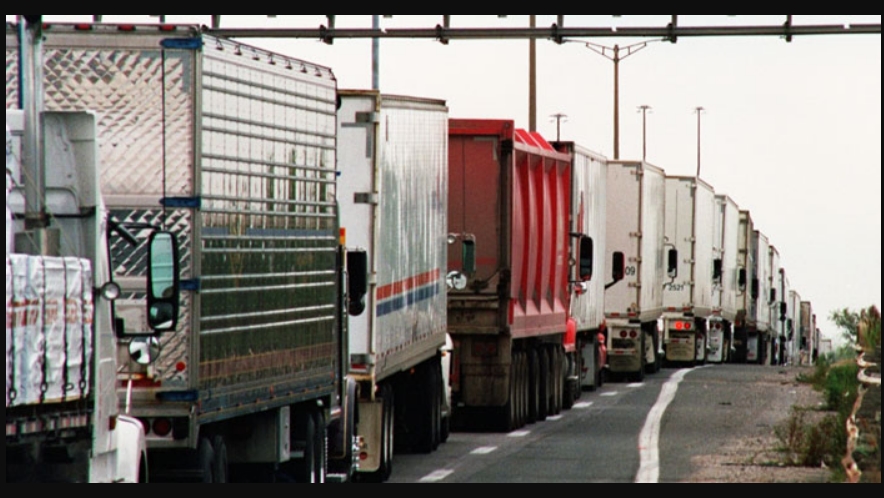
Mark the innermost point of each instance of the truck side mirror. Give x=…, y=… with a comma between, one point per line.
x=741, y=279
x=672, y=270
x=587, y=258
x=619, y=272
x=717, y=270
x=163, y=292
x=784, y=310
x=469, y=256
x=773, y=296
x=756, y=289
x=357, y=282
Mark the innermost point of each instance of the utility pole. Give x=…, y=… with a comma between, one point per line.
x=614, y=54
x=559, y=117
x=532, y=80
x=375, y=55
x=644, y=110
x=699, y=111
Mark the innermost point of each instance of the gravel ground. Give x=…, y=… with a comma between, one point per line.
x=753, y=458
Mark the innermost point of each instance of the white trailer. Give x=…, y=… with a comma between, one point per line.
x=781, y=316
x=228, y=151
x=775, y=286
x=747, y=286
x=589, y=181
x=636, y=206
x=393, y=195
x=808, y=344
x=793, y=328
x=726, y=284
x=687, y=296
x=757, y=342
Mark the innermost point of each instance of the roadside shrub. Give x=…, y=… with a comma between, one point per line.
x=842, y=388
x=809, y=443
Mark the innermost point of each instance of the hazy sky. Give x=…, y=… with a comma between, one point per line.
x=791, y=131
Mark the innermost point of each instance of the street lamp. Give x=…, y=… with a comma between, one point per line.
x=616, y=54
x=699, y=111
x=559, y=117
x=644, y=110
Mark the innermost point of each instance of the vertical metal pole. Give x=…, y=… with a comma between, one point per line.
x=375, y=54
x=532, y=79
x=616, y=102
x=31, y=95
x=699, y=113
x=644, y=111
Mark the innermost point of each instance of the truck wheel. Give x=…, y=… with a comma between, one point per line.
x=523, y=389
x=206, y=461
x=558, y=380
x=543, y=412
x=423, y=421
x=511, y=412
x=221, y=469
x=533, y=387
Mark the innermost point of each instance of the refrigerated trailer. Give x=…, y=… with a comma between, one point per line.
x=726, y=282
x=687, y=296
x=775, y=286
x=758, y=339
x=807, y=338
x=393, y=195
x=748, y=288
x=636, y=206
x=230, y=150
x=509, y=207
x=793, y=328
x=587, y=363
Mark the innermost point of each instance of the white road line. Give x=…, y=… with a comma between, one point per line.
x=487, y=450
x=439, y=475
x=609, y=395
x=649, y=439
x=636, y=385
x=582, y=406
x=555, y=418
x=519, y=434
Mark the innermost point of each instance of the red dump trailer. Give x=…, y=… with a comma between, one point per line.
x=509, y=204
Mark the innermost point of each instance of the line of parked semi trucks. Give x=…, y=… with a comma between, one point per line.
x=222, y=267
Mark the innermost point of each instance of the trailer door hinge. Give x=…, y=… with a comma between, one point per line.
x=366, y=198
x=367, y=117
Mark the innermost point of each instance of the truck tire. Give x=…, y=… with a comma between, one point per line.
x=543, y=411
x=510, y=415
x=205, y=454
x=533, y=387
x=221, y=468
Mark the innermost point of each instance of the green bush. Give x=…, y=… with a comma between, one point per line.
x=842, y=388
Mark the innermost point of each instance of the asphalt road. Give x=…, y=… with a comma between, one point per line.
x=623, y=433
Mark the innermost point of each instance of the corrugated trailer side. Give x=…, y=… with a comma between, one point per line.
x=747, y=297
x=510, y=195
x=587, y=297
x=757, y=340
x=231, y=148
x=393, y=195
x=690, y=214
x=806, y=331
x=725, y=279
